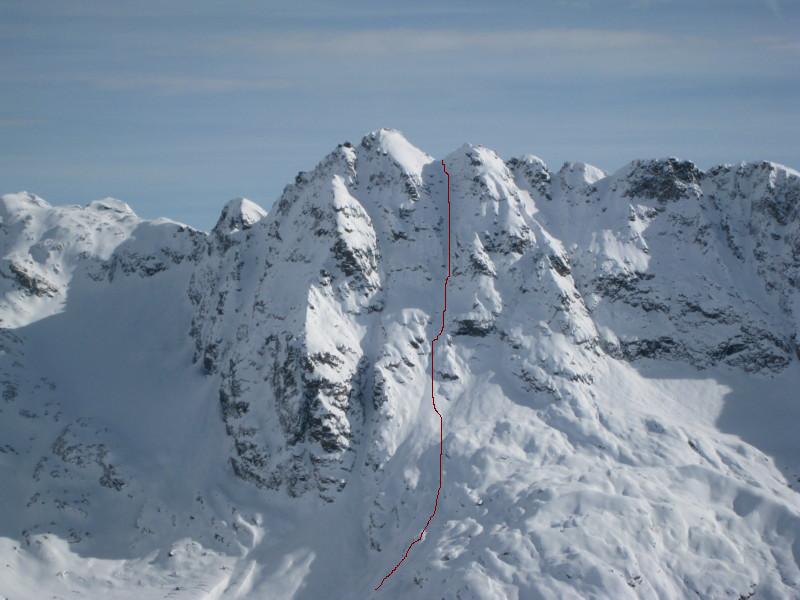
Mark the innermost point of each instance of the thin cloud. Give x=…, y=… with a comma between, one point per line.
x=183, y=85
x=780, y=43
x=416, y=41
x=19, y=122
x=560, y=53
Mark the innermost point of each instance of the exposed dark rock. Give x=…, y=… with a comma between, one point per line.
x=474, y=327
x=560, y=264
x=662, y=180
x=31, y=283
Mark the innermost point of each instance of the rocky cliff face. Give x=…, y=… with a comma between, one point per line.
x=616, y=378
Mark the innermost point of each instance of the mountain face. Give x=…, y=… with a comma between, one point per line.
x=246, y=413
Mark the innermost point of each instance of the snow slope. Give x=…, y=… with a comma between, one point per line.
x=245, y=413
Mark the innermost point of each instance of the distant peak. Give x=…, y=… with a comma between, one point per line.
x=530, y=159
x=237, y=215
x=475, y=158
x=531, y=166
x=393, y=144
x=770, y=166
x=580, y=170
x=110, y=204
x=668, y=166
x=23, y=199
x=663, y=179
x=465, y=149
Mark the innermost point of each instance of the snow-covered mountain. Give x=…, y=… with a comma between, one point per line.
x=246, y=413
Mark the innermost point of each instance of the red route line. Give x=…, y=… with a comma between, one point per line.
x=433, y=400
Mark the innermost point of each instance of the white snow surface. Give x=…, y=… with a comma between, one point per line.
x=246, y=413
x=239, y=214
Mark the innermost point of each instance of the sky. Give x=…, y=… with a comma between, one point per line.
x=176, y=107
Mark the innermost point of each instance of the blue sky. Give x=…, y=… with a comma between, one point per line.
x=175, y=107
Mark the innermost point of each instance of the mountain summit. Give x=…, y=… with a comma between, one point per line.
x=246, y=413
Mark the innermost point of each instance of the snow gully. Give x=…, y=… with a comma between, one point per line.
x=433, y=400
